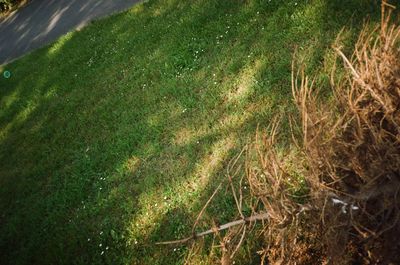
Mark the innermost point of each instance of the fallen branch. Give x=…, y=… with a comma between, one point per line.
x=253, y=218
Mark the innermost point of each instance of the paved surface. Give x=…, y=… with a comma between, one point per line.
x=43, y=21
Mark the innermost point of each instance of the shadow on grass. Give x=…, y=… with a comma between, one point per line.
x=114, y=137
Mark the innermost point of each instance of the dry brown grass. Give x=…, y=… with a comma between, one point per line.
x=350, y=160
x=271, y=179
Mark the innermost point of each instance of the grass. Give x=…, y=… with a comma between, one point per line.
x=113, y=137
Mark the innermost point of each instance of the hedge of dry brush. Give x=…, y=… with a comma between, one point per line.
x=349, y=159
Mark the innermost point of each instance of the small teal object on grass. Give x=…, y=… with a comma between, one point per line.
x=7, y=74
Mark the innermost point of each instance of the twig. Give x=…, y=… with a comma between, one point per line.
x=238, y=205
x=230, y=166
x=253, y=218
x=240, y=242
x=204, y=207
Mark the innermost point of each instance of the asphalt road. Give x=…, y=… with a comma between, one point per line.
x=43, y=21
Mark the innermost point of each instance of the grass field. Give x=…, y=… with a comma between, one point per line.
x=113, y=137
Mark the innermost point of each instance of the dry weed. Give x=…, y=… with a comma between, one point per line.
x=351, y=148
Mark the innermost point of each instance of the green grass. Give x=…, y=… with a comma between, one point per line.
x=113, y=137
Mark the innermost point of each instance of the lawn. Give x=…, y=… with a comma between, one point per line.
x=113, y=137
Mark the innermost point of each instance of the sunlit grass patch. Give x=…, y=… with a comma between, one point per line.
x=57, y=46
